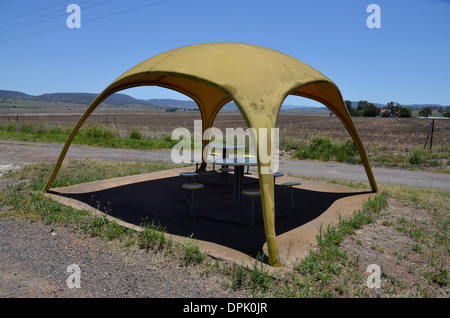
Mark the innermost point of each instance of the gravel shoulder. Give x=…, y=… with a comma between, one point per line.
x=34, y=261
x=35, y=258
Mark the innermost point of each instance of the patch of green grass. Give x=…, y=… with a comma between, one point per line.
x=153, y=237
x=238, y=275
x=428, y=157
x=135, y=134
x=260, y=279
x=81, y=171
x=191, y=254
x=416, y=248
x=100, y=226
x=380, y=153
x=257, y=279
x=320, y=148
x=440, y=277
x=290, y=143
x=322, y=265
x=96, y=136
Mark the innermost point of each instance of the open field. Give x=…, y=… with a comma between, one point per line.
x=389, y=142
x=403, y=132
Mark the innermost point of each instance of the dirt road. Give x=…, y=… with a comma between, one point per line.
x=18, y=152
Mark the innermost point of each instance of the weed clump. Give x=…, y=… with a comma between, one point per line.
x=320, y=148
x=152, y=236
x=191, y=254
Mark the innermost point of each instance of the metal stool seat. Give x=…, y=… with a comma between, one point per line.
x=189, y=175
x=252, y=193
x=191, y=187
x=276, y=175
x=290, y=185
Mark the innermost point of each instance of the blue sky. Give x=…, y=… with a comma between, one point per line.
x=407, y=60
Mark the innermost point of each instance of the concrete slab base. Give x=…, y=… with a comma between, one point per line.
x=221, y=227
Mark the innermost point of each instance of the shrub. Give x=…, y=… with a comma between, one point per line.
x=98, y=132
x=404, y=112
x=152, y=236
x=416, y=157
x=192, y=254
x=135, y=134
x=318, y=148
x=11, y=127
x=321, y=148
x=347, y=149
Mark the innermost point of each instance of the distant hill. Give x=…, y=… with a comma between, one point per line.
x=125, y=100
x=87, y=98
x=76, y=98
x=12, y=94
x=172, y=103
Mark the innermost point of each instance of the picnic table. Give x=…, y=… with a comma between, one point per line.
x=238, y=164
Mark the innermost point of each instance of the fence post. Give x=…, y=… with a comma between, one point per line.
x=432, y=130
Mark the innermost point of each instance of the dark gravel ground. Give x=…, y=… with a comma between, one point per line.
x=34, y=258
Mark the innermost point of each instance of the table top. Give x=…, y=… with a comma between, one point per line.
x=222, y=146
x=236, y=162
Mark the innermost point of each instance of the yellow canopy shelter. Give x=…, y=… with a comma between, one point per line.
x=257, y=79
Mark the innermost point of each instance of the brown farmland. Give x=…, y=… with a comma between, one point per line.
x=405, y=133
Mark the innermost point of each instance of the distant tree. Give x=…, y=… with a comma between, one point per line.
x=359, y=111
x=348, y=104
x=404, y=112
x=350, y=108
x=394, y=108
x=446, y=114
x=386, y=113
x=362, y=104
x=371, y=110
x=425, y=112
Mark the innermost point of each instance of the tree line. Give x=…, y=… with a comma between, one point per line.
x=392, y=109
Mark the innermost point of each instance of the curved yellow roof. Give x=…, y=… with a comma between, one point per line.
x=212, y=74
x=256, y=78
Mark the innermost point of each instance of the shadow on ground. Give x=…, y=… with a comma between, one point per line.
x=219, y=220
